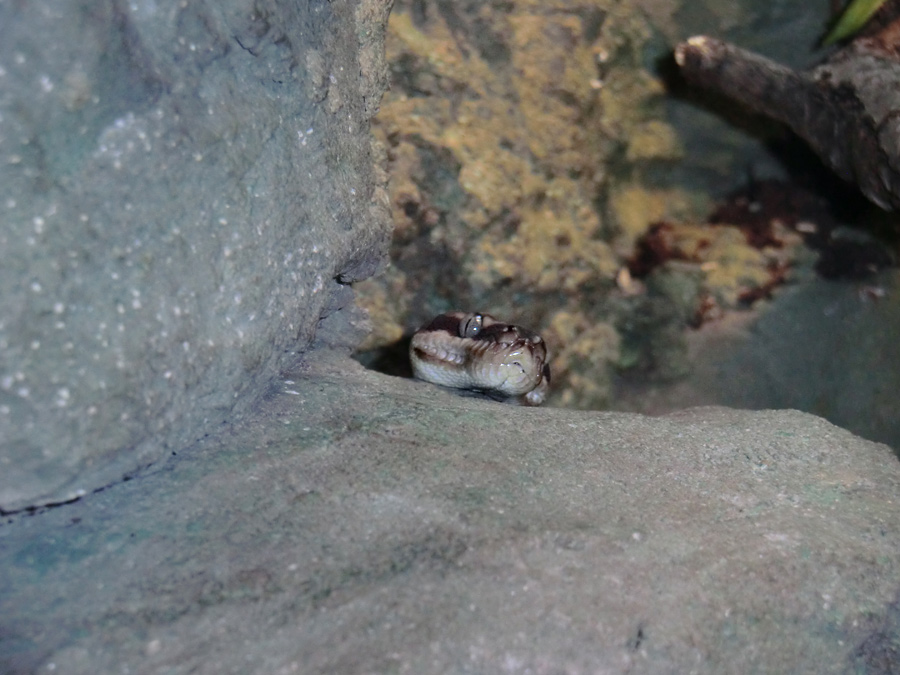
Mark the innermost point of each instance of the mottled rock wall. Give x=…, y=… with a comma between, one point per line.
x=186, y=189
x=535, y=146
x=503, y=126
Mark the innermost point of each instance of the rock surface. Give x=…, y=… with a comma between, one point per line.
x=784, y=357
x=360, y=523
x=185, y=189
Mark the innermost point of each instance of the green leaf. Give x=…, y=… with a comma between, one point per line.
x=853, y=18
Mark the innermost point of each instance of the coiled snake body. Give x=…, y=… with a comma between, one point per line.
x=478, y=352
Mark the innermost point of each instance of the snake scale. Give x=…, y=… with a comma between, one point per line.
x=477, y=352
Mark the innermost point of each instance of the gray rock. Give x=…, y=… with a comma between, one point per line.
x=185, y=190
x=358, y=523
x=824, y=347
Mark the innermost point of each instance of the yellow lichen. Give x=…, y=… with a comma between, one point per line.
x=383, y=308
x=634, y=208
x=584, y=352
x=653, y=140
x=731, y=266
x=552, y=248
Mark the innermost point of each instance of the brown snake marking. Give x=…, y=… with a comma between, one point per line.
x=477, y=352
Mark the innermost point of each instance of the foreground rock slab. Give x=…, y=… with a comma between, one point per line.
x=360, y=523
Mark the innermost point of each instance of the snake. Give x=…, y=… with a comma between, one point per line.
x=477, y=352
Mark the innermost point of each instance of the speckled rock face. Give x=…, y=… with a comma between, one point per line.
x=185, y=190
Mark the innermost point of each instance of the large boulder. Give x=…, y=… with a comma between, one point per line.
x=186, y=189
x=360, y=523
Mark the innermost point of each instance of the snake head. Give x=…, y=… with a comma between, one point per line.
x=477, y=351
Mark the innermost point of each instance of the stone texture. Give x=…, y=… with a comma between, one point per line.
x=340, y=520
x=185, y=190
x=785, y=357
x=357, y=523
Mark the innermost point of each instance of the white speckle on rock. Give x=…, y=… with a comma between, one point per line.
x=36, y=286
x=62, y=397
x=46, y=84
x=58, y=308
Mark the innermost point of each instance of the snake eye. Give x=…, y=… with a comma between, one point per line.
x=471, y=327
